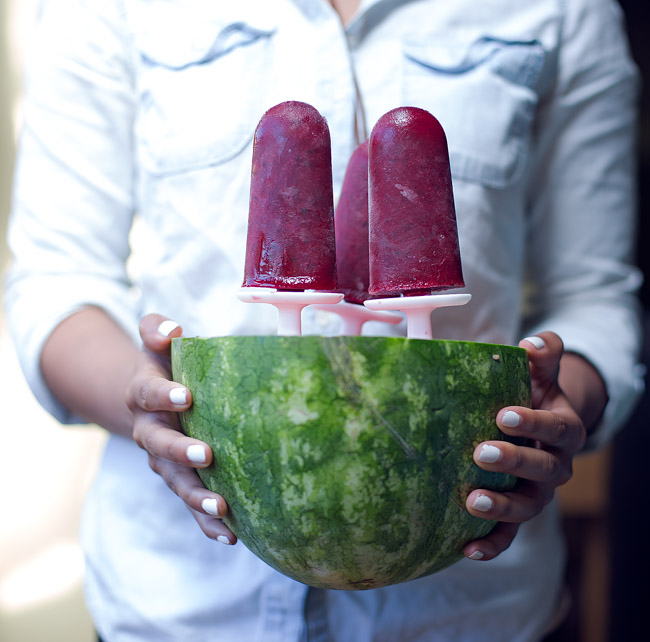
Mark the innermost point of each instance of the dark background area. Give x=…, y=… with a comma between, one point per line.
x=630, y=490
x=622, y=528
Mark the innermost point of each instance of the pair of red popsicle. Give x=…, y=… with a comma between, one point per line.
x=395, y=228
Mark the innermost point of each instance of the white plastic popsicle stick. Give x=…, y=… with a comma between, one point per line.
x=353, y=316
x=418, y=310
x=289, y=304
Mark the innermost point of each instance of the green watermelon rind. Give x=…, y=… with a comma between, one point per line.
x=346, y=461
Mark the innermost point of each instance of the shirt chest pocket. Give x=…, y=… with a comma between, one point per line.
x=484, y=95
x=201, y=94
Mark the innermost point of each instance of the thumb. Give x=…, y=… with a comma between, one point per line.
x=544, y=353
x=157, y=331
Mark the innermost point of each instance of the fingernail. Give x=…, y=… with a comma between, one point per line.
x=196, y=454
x=476, y=555
x=178, y=396
x=510, y=419
x=167, y=327
x=224, y=540
x=209, y=505
x=538, y=342
x=482, y=503
x=489, y=454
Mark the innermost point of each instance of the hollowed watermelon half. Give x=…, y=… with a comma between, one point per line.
x=346, y=461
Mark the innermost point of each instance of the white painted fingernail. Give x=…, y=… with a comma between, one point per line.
x=196, y=454
x=178, y=396
x=167, y=327
x=489, y=454
x=482, y=503
x=510, y=419
x=538, y=342
x=224, y=540
x=476, y=555
x=210, y=505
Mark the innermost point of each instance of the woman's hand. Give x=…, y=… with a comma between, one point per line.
x=155, y=401
x=556, y=433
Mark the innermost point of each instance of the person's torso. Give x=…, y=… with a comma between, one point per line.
x=206, y=74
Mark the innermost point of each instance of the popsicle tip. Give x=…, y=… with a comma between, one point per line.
x=417, y=121
x=295, y=113
x=406, y=114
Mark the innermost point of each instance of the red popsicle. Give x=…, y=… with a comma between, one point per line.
x=290, y=243
x=351, y=229
x=413, y=234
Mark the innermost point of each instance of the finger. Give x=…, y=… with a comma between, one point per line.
x=153, y=393
x=161, y=440
x=534, y=464
x=157, y=331
x=207, y=507
x=495, y=543
x=545, y=348
x=185, y=483
x=215, y=528
x=516, y=506
x=544, y=352
x=560, y=428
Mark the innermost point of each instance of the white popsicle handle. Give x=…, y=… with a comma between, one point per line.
x=418, y=310
x=353, y=316
x=289, y=305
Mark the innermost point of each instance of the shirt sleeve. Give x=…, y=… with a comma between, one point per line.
x=581, y=278
x=73, y=205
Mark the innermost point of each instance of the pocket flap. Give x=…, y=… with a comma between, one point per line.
x=201, y=82
x=484, y=95
x=519, y=61
x=177, y=35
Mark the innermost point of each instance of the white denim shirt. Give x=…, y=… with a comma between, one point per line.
x=149, y=107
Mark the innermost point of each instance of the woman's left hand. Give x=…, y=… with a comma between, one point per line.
x=555, y=432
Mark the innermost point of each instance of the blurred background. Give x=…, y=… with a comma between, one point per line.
x=45, y=469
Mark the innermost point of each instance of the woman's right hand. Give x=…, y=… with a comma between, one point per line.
x=155, y=402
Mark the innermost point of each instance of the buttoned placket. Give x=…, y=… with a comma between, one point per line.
x=292, y=611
